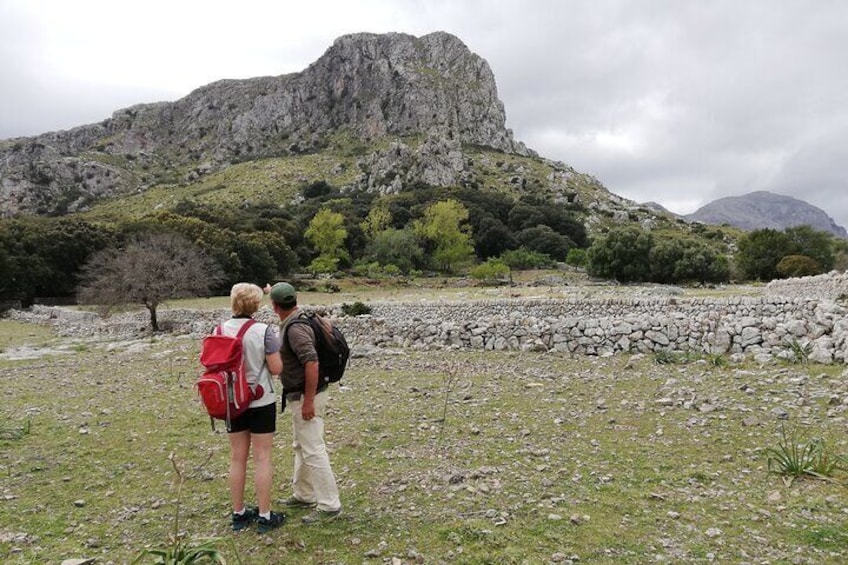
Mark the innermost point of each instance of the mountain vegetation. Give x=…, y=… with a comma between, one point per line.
x=388, y=156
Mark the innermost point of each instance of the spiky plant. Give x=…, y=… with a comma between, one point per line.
x=793, y=459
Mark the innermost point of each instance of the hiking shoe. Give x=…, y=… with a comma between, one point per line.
x=241, y=521
x=264, y=525
x=295, y=502
x=318, y=516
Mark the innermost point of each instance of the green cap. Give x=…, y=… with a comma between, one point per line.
x=283, y=294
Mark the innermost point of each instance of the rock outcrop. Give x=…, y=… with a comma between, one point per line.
x=365, y=87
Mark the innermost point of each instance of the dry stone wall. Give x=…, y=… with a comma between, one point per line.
x=766, y=327
x=830, y=286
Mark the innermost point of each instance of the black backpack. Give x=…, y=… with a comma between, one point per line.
x=330, y=345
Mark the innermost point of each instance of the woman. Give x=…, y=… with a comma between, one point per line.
x=256, y=426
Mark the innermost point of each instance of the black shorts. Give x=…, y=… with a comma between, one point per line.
x=262, y=420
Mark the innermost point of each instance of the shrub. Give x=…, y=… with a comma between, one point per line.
x=355, y=309
x=491, y=270
x=577, y=257
x=521, y=258
x=392, y=270
x=798, y=266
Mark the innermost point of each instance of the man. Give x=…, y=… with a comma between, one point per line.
x=313, y=482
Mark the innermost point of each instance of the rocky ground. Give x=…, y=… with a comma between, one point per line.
x=448, y=457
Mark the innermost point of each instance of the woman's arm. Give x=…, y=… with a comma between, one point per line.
x=275, y=363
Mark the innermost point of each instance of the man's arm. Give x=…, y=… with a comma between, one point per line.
x=310, y=389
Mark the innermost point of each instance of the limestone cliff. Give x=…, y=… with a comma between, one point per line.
x=366, y=86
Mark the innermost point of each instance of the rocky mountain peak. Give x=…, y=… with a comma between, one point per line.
x=402, y=85
x=763, y=209
x=365, y=85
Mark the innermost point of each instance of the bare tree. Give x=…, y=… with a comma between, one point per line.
x=148, y=271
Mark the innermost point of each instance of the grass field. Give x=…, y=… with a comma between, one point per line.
x=448, y=457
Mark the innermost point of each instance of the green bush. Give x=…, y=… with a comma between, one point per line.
x=798, y=266
x=521, y=258
x=355, y=309
x=577, y=257
x=491, y=270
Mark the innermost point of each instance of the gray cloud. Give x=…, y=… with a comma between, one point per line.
x=683, y=103
x=666, y=100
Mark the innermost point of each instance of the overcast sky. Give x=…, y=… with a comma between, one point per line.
x=678, y=102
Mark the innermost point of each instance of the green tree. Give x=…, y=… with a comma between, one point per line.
x=444, y=227
x=43, y=256
x=482, y=204
x=523, y=216
x=678, y=260
x=700, y=263
x=285, y=260
x=840, y=254
x=663, y=258
x=492, y=237
x=759, y=253
x=379, y=219
x=817, y=245
x=623, y=254
x=256, y=261
x=316, y=189
x=396, y=247
x=544, y=239
x=526, y=215
x=327, y=234
x=564, y=223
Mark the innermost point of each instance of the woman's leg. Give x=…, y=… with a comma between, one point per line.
x=239, y=450
x=263, y=469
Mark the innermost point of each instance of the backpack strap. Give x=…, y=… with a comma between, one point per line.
x=244, y=327
x=301, y=318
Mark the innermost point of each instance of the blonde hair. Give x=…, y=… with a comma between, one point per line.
x=245, y=299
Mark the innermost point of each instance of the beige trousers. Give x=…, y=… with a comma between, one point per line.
x=313, y=479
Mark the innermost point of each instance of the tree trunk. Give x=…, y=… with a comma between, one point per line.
x=154, y=322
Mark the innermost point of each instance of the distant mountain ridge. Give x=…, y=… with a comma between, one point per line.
x=763, y=209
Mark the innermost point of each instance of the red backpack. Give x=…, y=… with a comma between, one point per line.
x=223, y=387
